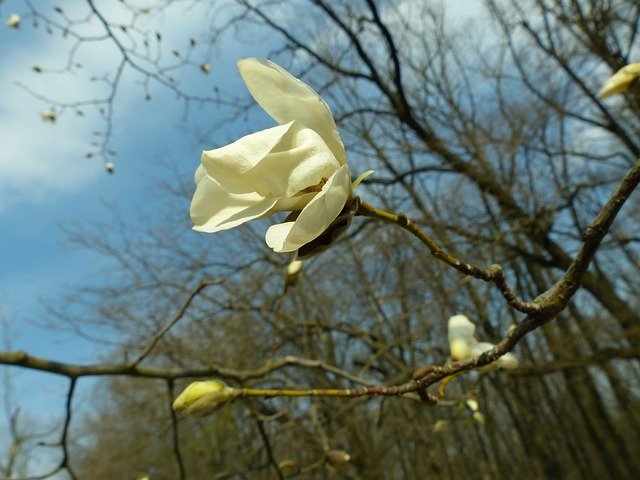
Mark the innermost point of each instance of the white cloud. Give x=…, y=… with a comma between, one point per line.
x=39, y=160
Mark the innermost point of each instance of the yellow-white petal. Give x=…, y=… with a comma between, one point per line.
x=315, y=217
x=229, y=164
x=300, y=160
x=214, y=209
x=620, y=81
x=200, y=174
x=285, y=98
x=276, y=162
x=276, y=237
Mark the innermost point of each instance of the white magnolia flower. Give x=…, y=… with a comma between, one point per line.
x=463, y=345
x=620, y=81
x=299, y=166
x=13, y=21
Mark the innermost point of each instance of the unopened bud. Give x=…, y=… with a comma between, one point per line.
x=48, y=115
x=337, y=457
x=13, y=21
x=479, y=418
x=292, y=273
x=441, y=426
x=204, y=397
x=287, y=465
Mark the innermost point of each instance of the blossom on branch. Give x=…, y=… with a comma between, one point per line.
x=463, y=344
x=298, y=166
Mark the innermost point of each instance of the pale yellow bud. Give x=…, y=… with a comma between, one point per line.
x=48, y=115
x=13, y=21
x=337, y=456
x=293, y=272
x=479, y=418
x=472, y=404
x=441, y=426
x=204, y=397
x=507, y=361
x=287, y=465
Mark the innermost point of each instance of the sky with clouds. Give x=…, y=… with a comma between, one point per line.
x=46, y=181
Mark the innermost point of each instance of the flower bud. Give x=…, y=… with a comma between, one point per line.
x=288, y=465
x=479, y=418
x=292, y=273
x=204, y=397
x=48, y=115
x=441, y=426
x=463, y=345
x=336, y=457
x=472, y=404
x=13, y=21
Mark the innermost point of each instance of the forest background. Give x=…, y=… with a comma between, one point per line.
x=483, y=125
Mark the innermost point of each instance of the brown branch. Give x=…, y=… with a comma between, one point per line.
x=599, y=357
x=493, y=273
x=174, y=429
x=22, y=359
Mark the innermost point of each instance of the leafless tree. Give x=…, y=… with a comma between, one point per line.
x=503, y=188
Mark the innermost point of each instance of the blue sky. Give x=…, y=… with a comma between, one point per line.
x=46, y=181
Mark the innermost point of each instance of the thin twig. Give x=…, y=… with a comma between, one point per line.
x=194, y=293
x=494, y=273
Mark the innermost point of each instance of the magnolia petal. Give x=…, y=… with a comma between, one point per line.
x=285, y=98
x=200, y=174
x=300, y=160
x=214, y=209
x=276, y=237
x=276, y=162
x=228, y=164
x=315, y=217
x=620, y=81
x=293, y=204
